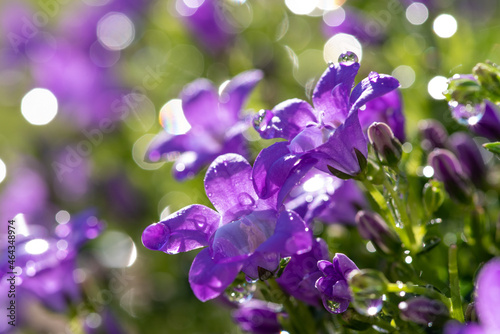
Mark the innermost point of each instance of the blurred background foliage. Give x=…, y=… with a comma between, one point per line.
x=149, y=291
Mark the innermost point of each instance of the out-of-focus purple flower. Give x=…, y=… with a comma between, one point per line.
x=247, y=233
x=333, y=285
x=216, y=127
x=26, y=192
x=302, y=272
x=387, y=109
x=424, y=311
x=328, y=136
x=326, y=198
x=487, y=296
x=207, y=23
x=433, y=134
x=448, y=170
x=47, y=260
x=258, y=317
x=469, y=155
x=347, y=20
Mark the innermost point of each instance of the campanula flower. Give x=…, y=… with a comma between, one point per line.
x=327, y=136
x=246, y=233
x=333, y=285
x=302, y=272
x=216, y=126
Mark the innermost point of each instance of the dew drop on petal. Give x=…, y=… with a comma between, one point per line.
x=332, y=306
x=348, y=57
x=245, y=199
x=467, y=114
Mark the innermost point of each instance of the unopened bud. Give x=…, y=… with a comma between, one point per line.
x=447, y=169
x=433, y=134
x=372, y=226
x=433, y=195
x=470, y=313
x=488, y=76
x=470, y=157
x=387, y=147
x=424, y=311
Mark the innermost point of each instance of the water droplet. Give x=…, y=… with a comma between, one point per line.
x=348, y=57
x=199, y=221
x=241, y=293
x=251, y=280
x=245, y=199
x=259, y=118
x=429, y=324
x=400, y=284
x=429, y=243
x=332, y=306
x=467, y=114
x=367, y=306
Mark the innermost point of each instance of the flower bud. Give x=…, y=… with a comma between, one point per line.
x=470, y=313
x=433, y=134
x=447, y=169
x=464, y=89
x=469, y=156
x=373, y=227
x=424, y=311
x=387, y=147
x=488, y=76
x=433, y=196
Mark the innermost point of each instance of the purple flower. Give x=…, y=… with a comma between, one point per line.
x=207, y=23
x=246, y=232
x=347, y=20
x=216, y=127
x=487, y=296
x=326, y=198
x=302, y=272
x=258, y=317
x=328, y=136
x=469, y=155
x=333, y=284
x=47, y=260
x=424, y=311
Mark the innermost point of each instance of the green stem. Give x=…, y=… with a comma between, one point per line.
x=418, y=290
x=302, y=323
x=456, y=300
x=402, y=211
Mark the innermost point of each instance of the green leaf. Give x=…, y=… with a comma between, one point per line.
x=493, y=147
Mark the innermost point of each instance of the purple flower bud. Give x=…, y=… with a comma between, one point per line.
x=387, y=147
x=447, y=169
x=433, y=134
x=469, y=156
x=373, y=227
x=258, y=317
x=424, y=311
x=489, y=125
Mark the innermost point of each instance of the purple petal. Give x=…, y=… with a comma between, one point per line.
x=236, y=92
x=489, y=125
x=200, y=141
x=229, y=187
x=455, y=327
x=387, y=109
x=276, y=170
x=182, y=231
x=291, y=236
x=307, y=140
x=340, y=290
x=488, y=295
x=240, y=238
x=343, y=264
x=331, y=94
x=286, y=119
x=369, y=88
x=190, y=163
x=200, y=104
x=338, y=151
x=209, y=279
x=326, y=267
